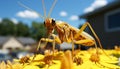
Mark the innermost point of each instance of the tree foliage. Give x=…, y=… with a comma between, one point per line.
x=38, y=30
x=22, y=29
x=9, y=28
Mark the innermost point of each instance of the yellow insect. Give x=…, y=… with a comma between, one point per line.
x=66, y=33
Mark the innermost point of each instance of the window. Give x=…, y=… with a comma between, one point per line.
x=112, y=21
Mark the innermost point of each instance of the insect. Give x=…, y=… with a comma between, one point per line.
x=66, y=32
x=24, y=60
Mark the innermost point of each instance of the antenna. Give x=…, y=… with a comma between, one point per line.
x=30, y=9
x=44, y=9
x=52, y=8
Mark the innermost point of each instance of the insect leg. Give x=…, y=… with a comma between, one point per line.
x=72, y=41
x=85, y=41
x=39, y=44
x=98, y=40
x=53, y=44
x=37, y=49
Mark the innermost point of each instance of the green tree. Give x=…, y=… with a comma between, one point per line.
x=7, y=27
x=38, y=30
x=22, y=29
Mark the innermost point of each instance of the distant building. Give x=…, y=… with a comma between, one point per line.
x=106, y=23
x=16, y=42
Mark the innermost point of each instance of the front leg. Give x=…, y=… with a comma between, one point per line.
x=56, y=38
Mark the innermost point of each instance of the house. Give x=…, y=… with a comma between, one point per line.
x=7, y=42
x=106, y=23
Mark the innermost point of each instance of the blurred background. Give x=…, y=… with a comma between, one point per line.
x=21, y=29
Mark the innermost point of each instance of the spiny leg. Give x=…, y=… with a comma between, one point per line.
x=83, y=28
x=37, y=49
x=39, y=44
x=98, y=40
x=55, y=39
x=71, y=35
x=83, y=41
x=86, y=42
x=72, y=45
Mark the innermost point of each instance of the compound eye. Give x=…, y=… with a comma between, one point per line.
x=53, y=22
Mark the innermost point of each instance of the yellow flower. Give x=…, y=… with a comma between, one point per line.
x=31, y=67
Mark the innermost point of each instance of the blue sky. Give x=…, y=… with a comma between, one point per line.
x=64, y=10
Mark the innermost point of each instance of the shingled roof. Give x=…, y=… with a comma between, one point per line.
x=104, y=8
x=26, y=40
x=23, y=40
x=3, y=39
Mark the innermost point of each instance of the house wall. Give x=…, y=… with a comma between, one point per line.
x=108, y=39
x=12, y=43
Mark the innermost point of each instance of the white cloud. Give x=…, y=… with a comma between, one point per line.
x=14, y=20
x=96, y=4
x=74, y=17
x=89, y=9
x=27, y=14
x=63, y=13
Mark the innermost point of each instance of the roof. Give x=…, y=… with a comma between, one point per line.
x=3, y=39
x=26, y=40
x=23, y=40
x=104, y=8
